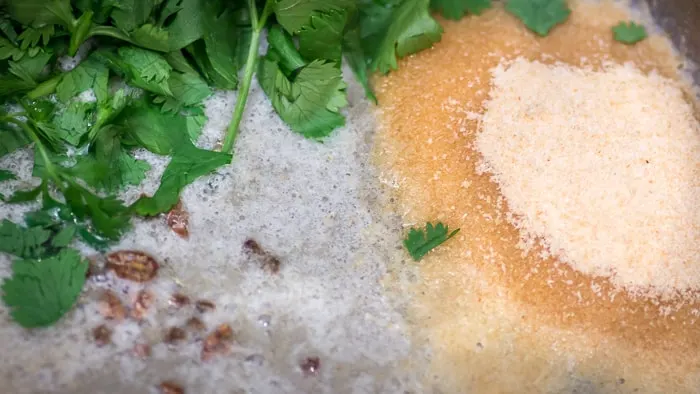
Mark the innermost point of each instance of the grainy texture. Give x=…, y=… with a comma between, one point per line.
x=602, y=166
x=498, y=321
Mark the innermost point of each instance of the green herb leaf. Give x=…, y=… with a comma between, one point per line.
x=41, y=12
x=21, y=241
x=187, y=90
x=147, y=65
x=74, y=121
x=109, y=167
x=456, y=9
x=419, y=242
x=410, y=29
x=322, y=38
x=11, y=138
x=355, y=56
x=39, y=293
x=295, y=14
x=90, y=74
x=540, y=16
x=629, y=33
x=310, y=103
x=187, y=164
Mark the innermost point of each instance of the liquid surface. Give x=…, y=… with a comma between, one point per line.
x=499, y=321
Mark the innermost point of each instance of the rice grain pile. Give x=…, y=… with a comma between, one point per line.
x=600, y=167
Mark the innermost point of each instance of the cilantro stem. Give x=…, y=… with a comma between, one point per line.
x=50, y=169
x=250, y=65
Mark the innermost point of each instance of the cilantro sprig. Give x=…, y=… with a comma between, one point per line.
x=419, y=242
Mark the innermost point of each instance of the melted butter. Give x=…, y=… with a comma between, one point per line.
x=498, y=320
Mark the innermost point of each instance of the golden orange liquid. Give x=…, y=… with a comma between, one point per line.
x=497, y=320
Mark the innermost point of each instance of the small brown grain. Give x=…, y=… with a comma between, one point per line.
x=111, y=306
x=102, y=335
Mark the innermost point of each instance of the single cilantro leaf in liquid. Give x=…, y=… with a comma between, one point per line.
x=540, y=16
x=188, y=164
x=629, y=33
x=410, y=29
x=22, y=241
x=419, y=242
x=456, y=9
x=39, y=293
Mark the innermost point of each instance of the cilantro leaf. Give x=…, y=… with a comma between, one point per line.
x=108, y=167
x=629, y=33
x=409, y=29
x=310, y=102
x=148, y=65
x=187, y=90
x=295, y=14
x=540, y=16
x=74, y=121
x=90, y=74
x=39, y=293
x=419, y=242
x=160, y=133
x=9, y=49
x=21, y=241
x=130, y=14
x=456, y=9
x=31, y=36
x=41, y=12
x=323, y=36
x=188, y=164
x=11, y=139
x=6, y=175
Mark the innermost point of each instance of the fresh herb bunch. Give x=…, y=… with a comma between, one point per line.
x=145, y=67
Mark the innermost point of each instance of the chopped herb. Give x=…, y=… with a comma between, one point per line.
x=539, y=16
x=629, y=33
x=419, y=242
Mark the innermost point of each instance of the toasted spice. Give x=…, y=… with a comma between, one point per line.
x=218, y=342
x=133, y=265
x=269, y=262
x=178, y=300
x=178, y=220
x=143, y=301
x=195, y=324
x=175, y=335
x=102, y=335
x=205, y=306
x=169, y=387
x=111, y=306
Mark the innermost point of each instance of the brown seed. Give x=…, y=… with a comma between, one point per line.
x=252, y=246
x=310, y=366
x=132, y=265
x=205, y=306
x=178, y=300
x=269, y=262
x=102, y=335
x=111, y=306
x=175, y=335
x=178, y=220
x=218, y=342
x=169, y=387
x=141, y=350
x=195, y=324
x=144, y=299
x=96, y=268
